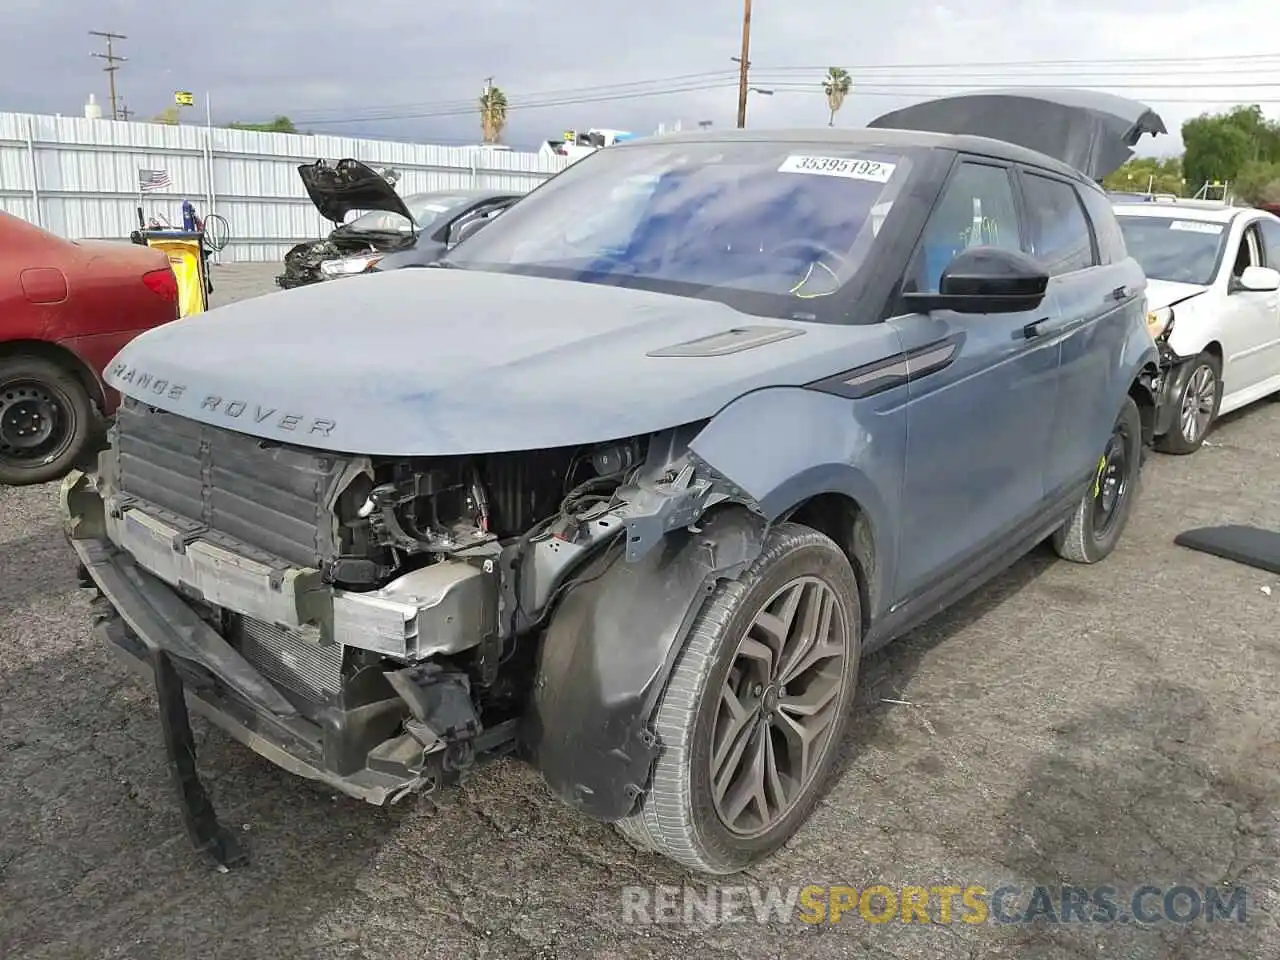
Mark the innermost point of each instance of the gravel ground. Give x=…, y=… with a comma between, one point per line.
x=1107, y=725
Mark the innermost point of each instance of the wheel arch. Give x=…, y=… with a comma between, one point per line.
x=843, y=519
x=608, y=652
x=68, y=359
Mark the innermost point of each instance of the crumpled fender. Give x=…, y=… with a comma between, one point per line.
x=609, y=651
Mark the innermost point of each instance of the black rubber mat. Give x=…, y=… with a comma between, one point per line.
x=1252, y=546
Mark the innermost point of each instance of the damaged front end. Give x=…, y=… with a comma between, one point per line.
x=342, y=254
x=380, y=624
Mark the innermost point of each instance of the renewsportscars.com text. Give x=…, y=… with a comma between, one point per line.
x=970, y=904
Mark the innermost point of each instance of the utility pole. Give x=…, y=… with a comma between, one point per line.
x=112, y=60
x=125, y=112
x=744, y=63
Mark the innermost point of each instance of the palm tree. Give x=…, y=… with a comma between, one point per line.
x=493, y=114
x=836, y=85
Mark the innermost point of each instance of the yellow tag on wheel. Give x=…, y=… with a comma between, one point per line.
x=1097, y=480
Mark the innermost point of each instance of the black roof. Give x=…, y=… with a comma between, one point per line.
x=863, y=137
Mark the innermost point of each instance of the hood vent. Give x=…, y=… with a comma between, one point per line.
x=730, y=341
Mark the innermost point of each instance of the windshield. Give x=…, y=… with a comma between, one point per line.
x=770, y=228
x=425, y=207
x=1182, y=251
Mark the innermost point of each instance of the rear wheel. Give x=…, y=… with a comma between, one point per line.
x=47, y=420
x=1197, y=407
x=1103, y=512
x=756, y=707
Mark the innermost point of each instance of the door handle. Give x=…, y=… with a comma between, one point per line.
x=1121, y=293
x=1032, y=330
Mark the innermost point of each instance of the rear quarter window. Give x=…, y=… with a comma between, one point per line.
x=1106, y=228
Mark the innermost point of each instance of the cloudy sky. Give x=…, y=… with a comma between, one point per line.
x=404, y=70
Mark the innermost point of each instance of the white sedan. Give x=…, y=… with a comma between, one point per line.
x=1213, y=275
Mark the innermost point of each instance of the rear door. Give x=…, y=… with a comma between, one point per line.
x=981, y=395
x=1099, y=296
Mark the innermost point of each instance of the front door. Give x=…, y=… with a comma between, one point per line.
x=981, y=396
x=1251, y=325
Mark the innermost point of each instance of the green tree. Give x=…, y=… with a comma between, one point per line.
x=1220, y=146
x=280, y=124
x=1258, y=182
x=836, y=85
x=169, y=115
x=1159, y=175
x=493, y=114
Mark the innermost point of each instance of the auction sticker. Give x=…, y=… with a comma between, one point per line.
x=1196, y=226
x=851, y=168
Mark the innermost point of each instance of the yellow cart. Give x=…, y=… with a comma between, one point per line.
x=185, y=249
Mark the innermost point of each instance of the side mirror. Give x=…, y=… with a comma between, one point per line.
x=1259, y=280
x=986, y=280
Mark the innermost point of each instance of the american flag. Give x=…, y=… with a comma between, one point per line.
x=153, y=180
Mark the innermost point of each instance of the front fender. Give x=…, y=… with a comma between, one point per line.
x=608, y=653
x=785, y=445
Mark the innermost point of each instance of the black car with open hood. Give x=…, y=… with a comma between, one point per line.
x=418, y=226
x=338, y=188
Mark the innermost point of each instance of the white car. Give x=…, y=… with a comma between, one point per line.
x=1213, y=275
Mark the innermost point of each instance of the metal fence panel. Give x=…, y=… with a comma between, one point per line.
x=79, y=177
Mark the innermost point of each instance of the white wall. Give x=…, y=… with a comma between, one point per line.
x=79, y=178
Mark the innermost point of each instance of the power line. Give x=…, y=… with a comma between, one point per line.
x=1127, y=87
x=717, y=80
x=112, y=61
x=564, y=91
x=1173, y=61
x=905, y=90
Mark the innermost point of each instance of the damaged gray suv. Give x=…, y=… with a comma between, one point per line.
x=629, y=483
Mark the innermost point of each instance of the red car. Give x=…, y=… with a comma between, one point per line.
x=66, y=308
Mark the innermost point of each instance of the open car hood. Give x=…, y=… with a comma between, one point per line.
x=1092, y=131
x=337, y=188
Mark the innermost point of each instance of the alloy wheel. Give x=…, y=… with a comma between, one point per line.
x=1198, y=401
x=778, y=705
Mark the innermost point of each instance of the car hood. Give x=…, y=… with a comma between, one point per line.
x=432, y=362
x=1166, y=293
x=338, y=188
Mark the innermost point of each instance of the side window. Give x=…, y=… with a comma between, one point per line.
x=1271, y=242
x=1106, y=228
x=1060, y=237
x=1249, y=252
x=976, y=209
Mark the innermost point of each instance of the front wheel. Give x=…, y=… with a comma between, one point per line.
x=756, y=707
x=1197, y=407
x=47, y=421
x=1094, y=529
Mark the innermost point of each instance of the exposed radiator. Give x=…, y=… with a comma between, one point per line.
x=269, y=497
x=294, y=659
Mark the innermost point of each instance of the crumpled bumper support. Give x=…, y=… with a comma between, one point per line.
x=207, y=834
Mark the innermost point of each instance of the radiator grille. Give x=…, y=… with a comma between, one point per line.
x=294, y=659
x=267, y=496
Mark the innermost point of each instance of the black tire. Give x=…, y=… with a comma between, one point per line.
x=1202, y=389
x=48, y=423
x=679, y=817
x=1095, y=528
